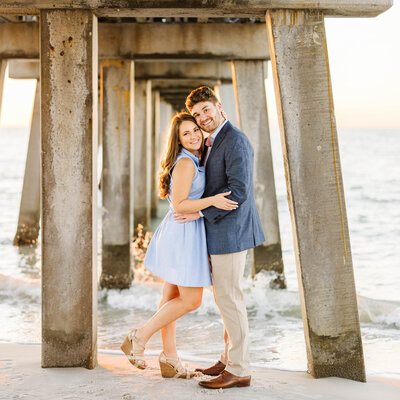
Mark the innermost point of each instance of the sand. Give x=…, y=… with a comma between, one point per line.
x=21, y=377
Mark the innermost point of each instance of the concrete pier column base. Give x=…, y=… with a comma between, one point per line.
x=69, y=118
x=251, y=104
x=116, y=270
x=303, y=89
x=115, y=86
x=142, y=154
x=29, y=212
x=269, y=258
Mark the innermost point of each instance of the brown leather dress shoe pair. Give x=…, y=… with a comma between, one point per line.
x=226, y=380
x=214, y=370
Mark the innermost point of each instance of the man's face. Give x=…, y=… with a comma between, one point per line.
x=208, y=115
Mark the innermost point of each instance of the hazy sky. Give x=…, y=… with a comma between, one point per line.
x=364, y=59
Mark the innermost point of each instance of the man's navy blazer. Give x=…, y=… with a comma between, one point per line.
x=229, y=167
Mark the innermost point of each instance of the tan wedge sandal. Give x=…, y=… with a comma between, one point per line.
x=134, y=350
x=171, y=367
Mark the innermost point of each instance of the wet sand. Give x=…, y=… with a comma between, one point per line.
x=21, y=377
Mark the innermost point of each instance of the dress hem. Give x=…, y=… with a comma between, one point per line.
x=177, y=284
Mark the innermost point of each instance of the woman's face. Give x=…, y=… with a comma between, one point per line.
x=190, y=136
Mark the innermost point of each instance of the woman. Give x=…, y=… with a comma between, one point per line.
x=177, y=252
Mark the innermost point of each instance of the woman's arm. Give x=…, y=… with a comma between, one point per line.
x=183, y=174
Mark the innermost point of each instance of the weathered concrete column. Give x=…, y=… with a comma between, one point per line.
x=303, y=91
x=142, y=154
x=154, y=151
x=69, y=188
x=226, y=92
x=251, y=104
x=3, y=66
x=29, y=211
x=165, y=115
x=116, y=79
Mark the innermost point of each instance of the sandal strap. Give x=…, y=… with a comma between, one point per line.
x=186, y=372
x=176, y=363
x=135, y=357
x=132, y=336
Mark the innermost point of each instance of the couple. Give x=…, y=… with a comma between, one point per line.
x=203, y=239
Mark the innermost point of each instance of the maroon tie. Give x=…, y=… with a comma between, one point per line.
x=208, y=142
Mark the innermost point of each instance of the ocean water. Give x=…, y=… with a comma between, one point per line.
x=371, y=173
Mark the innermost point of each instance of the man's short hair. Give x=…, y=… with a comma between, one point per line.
x=203, y=93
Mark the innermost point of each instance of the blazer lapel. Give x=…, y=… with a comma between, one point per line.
x=219, y=139
x=203, y=153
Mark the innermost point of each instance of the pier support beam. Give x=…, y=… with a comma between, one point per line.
x=116, y=81
x=154, y=151
x=69, y=187
x=3, y=66
x=249, y=82
x=165, y=116
x=142, y=154
x=303, y=89
x=29, y=212
x=226, y=93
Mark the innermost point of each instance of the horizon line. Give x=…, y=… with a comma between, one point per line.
x=271, y=128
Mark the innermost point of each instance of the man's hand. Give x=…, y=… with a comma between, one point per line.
x=182, y=218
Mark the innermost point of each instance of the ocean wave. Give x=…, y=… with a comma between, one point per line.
x=382, y=200
x=262, y=301
x=381, y=312
x=18, y=288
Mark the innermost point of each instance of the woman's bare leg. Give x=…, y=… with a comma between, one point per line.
x=188, y=300
x=168, y=332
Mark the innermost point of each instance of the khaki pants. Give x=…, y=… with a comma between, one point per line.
x=227, y=273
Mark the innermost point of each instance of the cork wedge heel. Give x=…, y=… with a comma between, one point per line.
x=134, y=350
x=172, y=367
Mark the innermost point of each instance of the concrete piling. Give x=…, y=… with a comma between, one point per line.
x=164, y=120
x=251, y=104
x=303, y=89
x=154, y=153
x=29, y=212
x=69, y=82
x=115, y=86
x=3, y=66
x=227, y=95
x=142, y=154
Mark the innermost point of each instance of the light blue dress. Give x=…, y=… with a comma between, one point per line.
x=178, y=252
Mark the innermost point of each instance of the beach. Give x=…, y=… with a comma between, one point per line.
x=277, y=347
x=21, y=377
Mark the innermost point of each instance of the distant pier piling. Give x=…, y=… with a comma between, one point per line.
x=251, y=104
x=228, y=101
x=3, y=66
x=142, y=132
x=29, y=212
x=116, y=84
x=155, y=150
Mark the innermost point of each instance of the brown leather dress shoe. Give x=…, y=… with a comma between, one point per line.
x=226, y=380
x=215, y=370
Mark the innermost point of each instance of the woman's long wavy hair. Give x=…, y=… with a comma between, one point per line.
x=173, y=149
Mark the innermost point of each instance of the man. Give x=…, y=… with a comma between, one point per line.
x=228, y=161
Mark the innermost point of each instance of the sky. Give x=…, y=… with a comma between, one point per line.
x=364, y=56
